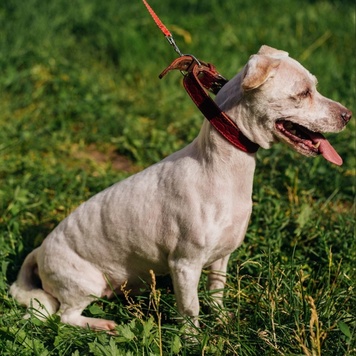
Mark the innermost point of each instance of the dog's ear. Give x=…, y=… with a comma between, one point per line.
x=258, y=69
x=270, y=51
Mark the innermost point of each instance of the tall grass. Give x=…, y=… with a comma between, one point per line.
x=81, y=107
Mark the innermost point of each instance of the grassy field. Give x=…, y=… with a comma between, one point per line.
x=81, y=107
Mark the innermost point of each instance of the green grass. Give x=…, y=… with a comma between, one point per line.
x=81, y=107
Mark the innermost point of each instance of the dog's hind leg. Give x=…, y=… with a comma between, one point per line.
x=72, y=315
x=74, y=300
x=75, y=287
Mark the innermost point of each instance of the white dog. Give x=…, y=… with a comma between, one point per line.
x=185, y=213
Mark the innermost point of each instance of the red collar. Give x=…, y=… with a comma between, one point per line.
x=200, y=75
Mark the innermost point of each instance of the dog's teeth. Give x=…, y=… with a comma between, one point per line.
x=294, y=132
x=288, y=125
x=317, y=145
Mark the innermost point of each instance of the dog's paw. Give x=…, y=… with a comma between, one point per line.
x=104, y=325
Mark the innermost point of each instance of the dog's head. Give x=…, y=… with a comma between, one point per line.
x=275, y=99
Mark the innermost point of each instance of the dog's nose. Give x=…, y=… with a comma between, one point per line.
x=346, y=116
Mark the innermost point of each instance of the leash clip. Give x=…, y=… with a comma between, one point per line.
x=195, y=59
x=171, y=41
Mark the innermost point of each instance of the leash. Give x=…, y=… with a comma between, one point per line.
x=200, y=76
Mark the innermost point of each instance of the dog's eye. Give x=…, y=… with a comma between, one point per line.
x=305, y=94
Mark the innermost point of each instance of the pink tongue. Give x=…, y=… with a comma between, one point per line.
x=326, y=149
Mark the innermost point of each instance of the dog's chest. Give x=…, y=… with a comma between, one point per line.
x=220, y=239
x=226, y=244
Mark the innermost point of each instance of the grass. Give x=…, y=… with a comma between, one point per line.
x=81, y=107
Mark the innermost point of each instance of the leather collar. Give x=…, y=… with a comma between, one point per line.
x=199, y=75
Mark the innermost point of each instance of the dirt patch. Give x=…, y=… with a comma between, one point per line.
x=105, y=156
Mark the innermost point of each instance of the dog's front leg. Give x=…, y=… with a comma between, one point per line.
x=217, y=280
x=185, y=276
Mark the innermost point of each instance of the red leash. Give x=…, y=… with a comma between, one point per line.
x=162, y=27
x=198, y=77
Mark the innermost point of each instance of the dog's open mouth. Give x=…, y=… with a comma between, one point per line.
x=307, y=142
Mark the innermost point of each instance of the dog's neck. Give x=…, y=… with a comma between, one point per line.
x=219, y=155
x=225, y=162
x=224, y=165
x=244, y=112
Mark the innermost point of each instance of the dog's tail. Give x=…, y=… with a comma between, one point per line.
x=27, y=292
